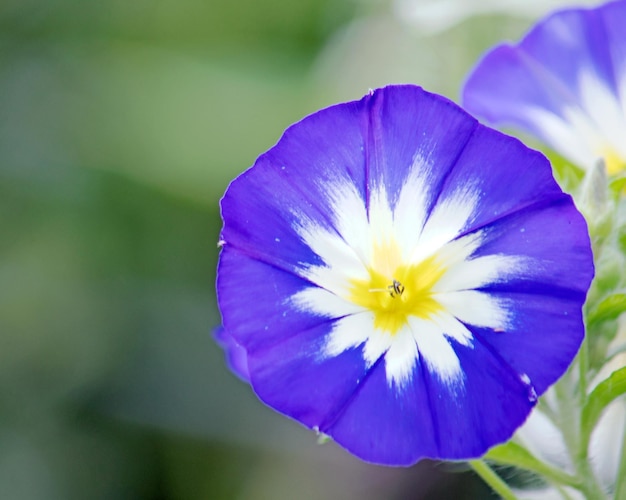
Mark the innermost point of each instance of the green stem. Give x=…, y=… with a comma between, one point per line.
x=570, y=424
x=568, y=414
x=620, y=481
x=590, y=486
x=583, y=367
x=492, y=479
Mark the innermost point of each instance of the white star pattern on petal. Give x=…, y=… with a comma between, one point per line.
x=409, y=237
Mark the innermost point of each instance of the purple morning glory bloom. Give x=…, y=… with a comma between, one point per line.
x=565, y=83
x=402, y=278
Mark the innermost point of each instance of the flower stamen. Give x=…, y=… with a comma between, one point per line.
x=396, y=288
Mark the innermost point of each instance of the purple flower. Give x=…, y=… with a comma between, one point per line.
x=565, y=83
x=402, y=278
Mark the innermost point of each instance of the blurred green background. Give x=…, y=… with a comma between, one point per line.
x=121, y=123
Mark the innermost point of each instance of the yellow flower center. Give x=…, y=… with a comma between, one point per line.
x=395, y=291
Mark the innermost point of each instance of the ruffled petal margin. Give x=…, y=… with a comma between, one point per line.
x=462, y=380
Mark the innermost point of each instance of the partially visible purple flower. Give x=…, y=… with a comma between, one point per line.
x=402, y=278
x=565, y=82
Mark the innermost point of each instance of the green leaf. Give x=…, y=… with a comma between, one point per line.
x=610, y=308
x=514, y=454
x=604, y=393
x=617, y=185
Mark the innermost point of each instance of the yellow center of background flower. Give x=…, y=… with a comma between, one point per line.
x=395, y=291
